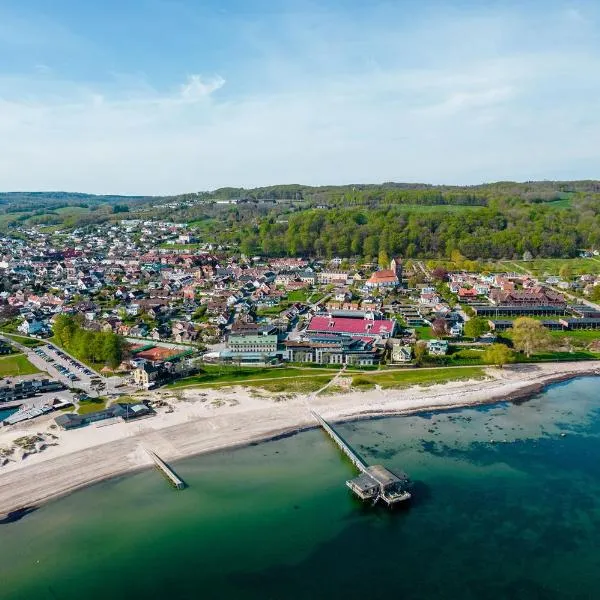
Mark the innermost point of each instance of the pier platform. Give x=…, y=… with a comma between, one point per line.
x=374, y=482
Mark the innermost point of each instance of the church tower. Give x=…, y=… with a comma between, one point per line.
x=396, y=266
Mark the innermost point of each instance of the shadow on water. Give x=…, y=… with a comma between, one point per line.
x=17, y=515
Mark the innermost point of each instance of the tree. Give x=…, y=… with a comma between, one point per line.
x=384, y=260
x=440, y=327
x=566, y=272
x=476, y=327
x=595, y=293
x=420, y=352
x=498, y=355
x=529, y=335
x=440, y=274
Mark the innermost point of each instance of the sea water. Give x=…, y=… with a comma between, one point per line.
x=506, y=505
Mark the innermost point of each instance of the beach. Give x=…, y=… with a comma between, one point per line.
x=207, y=420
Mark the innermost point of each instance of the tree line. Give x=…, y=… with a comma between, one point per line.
x=483, y=232
x=85, y=344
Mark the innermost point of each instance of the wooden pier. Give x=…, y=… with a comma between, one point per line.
x=358, y=462
x=166, y=470
x=374, y=482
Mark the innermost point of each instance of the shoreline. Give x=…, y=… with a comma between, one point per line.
x=200, y=426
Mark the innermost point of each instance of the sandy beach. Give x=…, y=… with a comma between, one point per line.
x=203, y=420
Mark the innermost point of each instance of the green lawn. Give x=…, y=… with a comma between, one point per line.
x=270, y=311
x=215, y=375
x=559, y=356
x=580, y=334
x=410, y=377
x=424, y=333
x=25, y=341
x=16, y=364
x=552, y=266
x=298, y=295
x=90, y=406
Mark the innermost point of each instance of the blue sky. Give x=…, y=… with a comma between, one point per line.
x=169, y=96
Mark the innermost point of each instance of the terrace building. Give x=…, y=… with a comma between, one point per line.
x=330, y=349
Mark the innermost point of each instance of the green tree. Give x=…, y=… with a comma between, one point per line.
x=498, y=355
x=566, y=272
x=595, y=295
x=384, y=259
x=476, y=327
x=420, y=353
x=529, y=335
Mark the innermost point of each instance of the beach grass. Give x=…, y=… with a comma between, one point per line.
x=231, y=375
x=406, y=378
x=16, y=364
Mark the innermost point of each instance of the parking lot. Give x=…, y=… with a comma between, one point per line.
x=71, y=371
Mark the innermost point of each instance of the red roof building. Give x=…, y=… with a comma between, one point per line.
x=362, y=327
x=384, y=278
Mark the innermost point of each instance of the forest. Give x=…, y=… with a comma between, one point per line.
x=547, y=219
x=504, y=220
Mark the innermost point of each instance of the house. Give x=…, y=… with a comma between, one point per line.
x=333, y=277
x=184, y=331
x=456, y=329
x=33, y=327
x=146, y=375
x=437, y=347
x=401, y=353
x=127, y=412
x=467, y=293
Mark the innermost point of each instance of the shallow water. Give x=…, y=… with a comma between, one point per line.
x=518, y=517
x=6, y=413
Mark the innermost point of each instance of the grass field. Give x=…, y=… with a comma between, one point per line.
x=16, y=364
x=552, y=266
x=399, y=379
x=24, y=341
x=298, y=295
x=90, y=406
x=230, y=375
x=424, y=333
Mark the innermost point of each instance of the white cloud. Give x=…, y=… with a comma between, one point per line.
x=461, y=114
x=196, y=87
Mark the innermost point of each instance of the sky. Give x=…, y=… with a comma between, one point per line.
x=172, y=96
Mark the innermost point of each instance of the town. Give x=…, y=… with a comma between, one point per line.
x=134, y=305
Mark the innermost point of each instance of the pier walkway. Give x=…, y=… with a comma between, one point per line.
x=358, y=462
x=374, y=482
x=167, y=471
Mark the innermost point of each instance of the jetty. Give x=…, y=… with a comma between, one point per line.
x=166, y=470
x=375, y=482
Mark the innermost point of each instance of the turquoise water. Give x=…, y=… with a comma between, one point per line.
x=6, y=413
x=518, y=517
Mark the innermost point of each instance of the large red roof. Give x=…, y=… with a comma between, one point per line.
x=385, y=276
x=351, y=326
